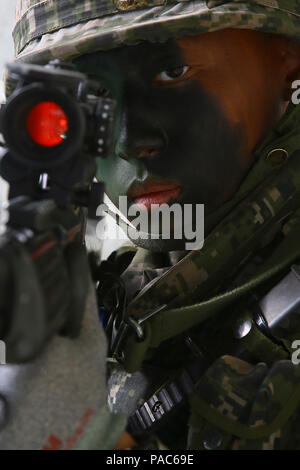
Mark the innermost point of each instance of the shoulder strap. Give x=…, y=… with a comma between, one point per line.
x=169, y=323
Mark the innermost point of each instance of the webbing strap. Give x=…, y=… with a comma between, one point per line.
x=170, y=323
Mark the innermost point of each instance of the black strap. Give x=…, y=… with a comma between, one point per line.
x=162, y=403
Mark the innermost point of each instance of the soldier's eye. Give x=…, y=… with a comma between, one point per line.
x=173, y=74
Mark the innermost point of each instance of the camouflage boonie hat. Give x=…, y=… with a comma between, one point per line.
x=47, y=29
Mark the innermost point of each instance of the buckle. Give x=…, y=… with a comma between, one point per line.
x=122, y=327
x=116, y=323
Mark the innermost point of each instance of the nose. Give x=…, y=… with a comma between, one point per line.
x=139, y=138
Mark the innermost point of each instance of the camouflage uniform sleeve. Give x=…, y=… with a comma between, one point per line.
x=238, y=406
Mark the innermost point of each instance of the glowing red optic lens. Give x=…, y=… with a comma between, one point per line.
x=47, y=124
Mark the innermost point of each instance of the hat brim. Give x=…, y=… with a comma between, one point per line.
x=158, y=24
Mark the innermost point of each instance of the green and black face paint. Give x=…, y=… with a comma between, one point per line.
x=174, y=141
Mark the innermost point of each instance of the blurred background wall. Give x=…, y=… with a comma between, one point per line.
x=7, y=15
x=7, y=9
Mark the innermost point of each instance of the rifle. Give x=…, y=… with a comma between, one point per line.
x=54, y=124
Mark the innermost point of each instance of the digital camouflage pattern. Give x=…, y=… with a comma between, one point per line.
x=235, y=405
x=235, y=395
x=247, y=407
x=256, y=407
x=65, y=29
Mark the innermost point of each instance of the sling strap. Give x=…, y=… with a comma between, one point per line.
x=170, y=304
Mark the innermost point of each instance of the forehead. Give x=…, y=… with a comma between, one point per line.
x=142, y=56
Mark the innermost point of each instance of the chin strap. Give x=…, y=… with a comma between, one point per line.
x=166, y=307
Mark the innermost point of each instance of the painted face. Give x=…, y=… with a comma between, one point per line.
x=190, y=112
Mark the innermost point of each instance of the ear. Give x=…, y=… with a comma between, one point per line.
x=292, y=67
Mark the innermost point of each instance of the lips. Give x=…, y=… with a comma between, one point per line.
x=154, y=192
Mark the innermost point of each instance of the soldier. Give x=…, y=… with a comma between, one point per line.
x=206, y=339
